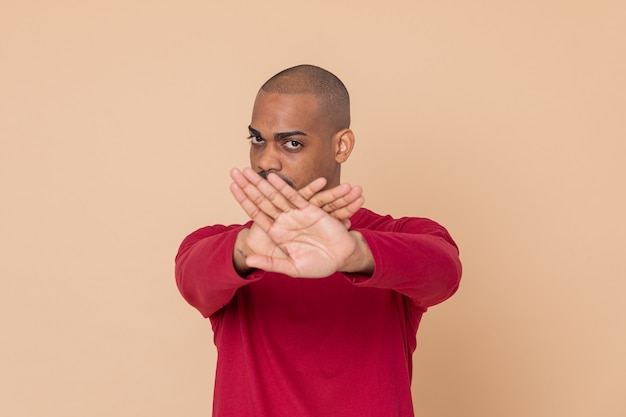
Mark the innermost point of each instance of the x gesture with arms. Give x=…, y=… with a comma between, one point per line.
x=300, y=234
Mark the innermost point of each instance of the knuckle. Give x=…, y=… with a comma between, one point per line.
x=258, y=199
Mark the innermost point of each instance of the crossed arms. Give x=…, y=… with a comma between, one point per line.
x=307, y=233
x=298, y=233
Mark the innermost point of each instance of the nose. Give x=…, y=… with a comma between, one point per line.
x=269, y=158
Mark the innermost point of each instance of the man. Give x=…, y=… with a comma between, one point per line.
x=315, y=303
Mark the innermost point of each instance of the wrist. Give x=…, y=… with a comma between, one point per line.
x=241, y=252
x=361, y=261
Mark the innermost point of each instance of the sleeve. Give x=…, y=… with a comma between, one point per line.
x=416, y=257
x=204, y=269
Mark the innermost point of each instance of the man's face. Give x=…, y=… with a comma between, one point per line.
x=289, y=137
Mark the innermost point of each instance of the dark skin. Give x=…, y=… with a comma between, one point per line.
x=291, y=137
x=300, y=227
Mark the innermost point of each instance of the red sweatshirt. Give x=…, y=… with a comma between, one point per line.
x=336, y=346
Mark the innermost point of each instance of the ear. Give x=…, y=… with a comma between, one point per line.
x=344, y=143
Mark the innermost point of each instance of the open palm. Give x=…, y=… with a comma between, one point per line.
x=290, y=235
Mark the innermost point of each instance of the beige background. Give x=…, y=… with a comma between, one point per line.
x=503, y=120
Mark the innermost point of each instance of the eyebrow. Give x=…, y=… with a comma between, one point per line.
x=279, y=135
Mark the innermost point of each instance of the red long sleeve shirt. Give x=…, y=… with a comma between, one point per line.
x=336, y=346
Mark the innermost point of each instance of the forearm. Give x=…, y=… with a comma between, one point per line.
x=424, y=267
x=205, y=272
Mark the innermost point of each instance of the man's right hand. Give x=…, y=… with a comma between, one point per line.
x=340, y=202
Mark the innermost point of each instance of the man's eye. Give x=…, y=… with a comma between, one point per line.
x=255, y=140
x=293, y=145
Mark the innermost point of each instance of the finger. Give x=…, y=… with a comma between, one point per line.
x=252, y=192
x=345, y=213
x=251, y=209
x=325, y=197
x=341, y=201
x=287, y=191
x=268, y=191
x=312, y=188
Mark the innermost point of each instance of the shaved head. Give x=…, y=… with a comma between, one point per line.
x=330, y=92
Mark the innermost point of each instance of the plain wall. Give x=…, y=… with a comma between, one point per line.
x=503, y=120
